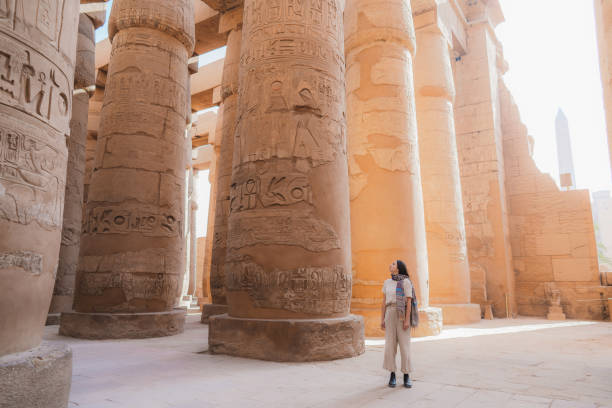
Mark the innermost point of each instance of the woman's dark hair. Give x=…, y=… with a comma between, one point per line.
x=401, y=268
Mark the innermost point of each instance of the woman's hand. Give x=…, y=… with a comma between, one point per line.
x=382, y=325
x=406, y=324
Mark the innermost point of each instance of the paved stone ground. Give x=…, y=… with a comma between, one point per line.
x=500, y=363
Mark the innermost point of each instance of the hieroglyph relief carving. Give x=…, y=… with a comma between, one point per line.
x=316, y=290
x=269, y=190
x=33, y=84
x=133, y=286
x=31, y=179
x=26, y=260
x=120, y=220
x=279, y=227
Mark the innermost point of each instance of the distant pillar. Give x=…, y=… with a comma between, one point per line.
x=449, y=271
x=84, y=86
x=288, y=262
x=193, y=225
x=387, y=217
x=223, y=173
x=132, y=245
x=37, y=60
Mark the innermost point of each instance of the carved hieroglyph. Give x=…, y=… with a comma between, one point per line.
x=37, y=51
x=387, y=221
x=133, y=240
x=288, y=244
x=84, y=83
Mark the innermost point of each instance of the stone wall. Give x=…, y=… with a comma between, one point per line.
x=551, y=231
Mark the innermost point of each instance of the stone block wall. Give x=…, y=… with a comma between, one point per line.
x=551, y=231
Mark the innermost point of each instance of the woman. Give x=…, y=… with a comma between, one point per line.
x=395, y=320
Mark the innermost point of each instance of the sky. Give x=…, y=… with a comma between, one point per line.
x=551, y=48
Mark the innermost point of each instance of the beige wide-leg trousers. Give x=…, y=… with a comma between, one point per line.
x=394, y=334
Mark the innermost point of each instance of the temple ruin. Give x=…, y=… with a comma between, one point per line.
x=338, y=135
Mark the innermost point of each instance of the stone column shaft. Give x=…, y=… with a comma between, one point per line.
x=444, y=221
x=288, y=279
x=37, y=59
x=132, y=248
x=223, y=174
x=387, y=216
x=84, y=84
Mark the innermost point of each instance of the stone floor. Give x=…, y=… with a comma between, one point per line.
x=500, y=363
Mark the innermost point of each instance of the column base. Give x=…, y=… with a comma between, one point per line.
x=212, y=309
x=37, y=378
x=430, y=322
x=53, y=319
x=555, y=313
x=99, y=326
x=460, y=313
x=287, y=340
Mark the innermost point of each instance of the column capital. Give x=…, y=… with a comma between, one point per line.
x=173, y=18
x=365, y=23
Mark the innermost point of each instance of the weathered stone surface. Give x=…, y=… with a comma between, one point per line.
x=37, y=58
x=460, y=313
x=288, y=243
x=430, y=322
x=212, y=309
x=84, y=83
x=96, y=326
x=132, y=247
x=37, y=378
x=287, y=340
x=479, y=137
x=223, y=170
x=387, y=220
x=444, y=221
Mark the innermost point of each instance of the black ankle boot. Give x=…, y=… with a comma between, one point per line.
x=407, y=381
x=392, y=380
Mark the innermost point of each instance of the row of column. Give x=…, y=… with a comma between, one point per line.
x=392, y=216
x=283, y=261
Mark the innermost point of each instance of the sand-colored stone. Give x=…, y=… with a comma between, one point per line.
x=132, y=247
x=288, y=260
x=223, y=174
x=603, y=23
x=554, y=249
x=37, y=59
x=444, y=223
x=387, y=219
x=481, y=161
x=84, y=85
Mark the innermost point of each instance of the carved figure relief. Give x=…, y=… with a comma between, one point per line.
x=31, y=180
x=280, y=227
x=28, y=261
x=316, y=290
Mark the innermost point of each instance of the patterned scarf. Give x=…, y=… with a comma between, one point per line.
x=400, y=296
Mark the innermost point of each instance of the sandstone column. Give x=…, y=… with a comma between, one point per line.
x=37, y=58
x=132, y=247
x=444, y=223
x=84, y=86
x=288, y=276
x=387, y=218
x=223, y=174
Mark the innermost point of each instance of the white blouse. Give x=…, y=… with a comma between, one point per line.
x=389, y=290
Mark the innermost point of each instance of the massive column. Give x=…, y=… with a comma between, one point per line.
x=479, y=144
x=288, y=276
x=387, y=218
x=444, y=222
x=84, y=86
x=223, y=166
x=603, y=25
x=37, y=57
x=132, y=245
